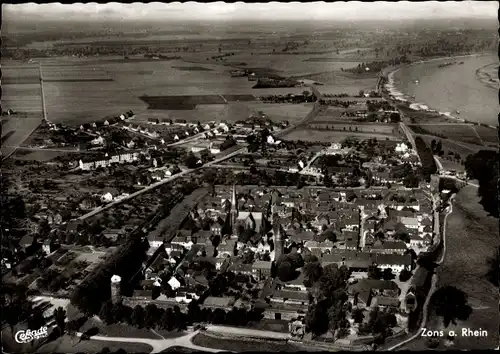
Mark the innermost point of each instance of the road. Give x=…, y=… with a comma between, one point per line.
x=157, y=184
x=433, y=286
x=246, y=332
x=441, y=171
x=159, y=345
x=409, y=135
x=46, y=149
x=438, y=164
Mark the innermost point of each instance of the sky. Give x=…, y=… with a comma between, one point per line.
x=262, y=11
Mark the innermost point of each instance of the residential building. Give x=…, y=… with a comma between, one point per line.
x=261, y=270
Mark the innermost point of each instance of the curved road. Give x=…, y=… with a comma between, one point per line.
x=159, y=345
x=433, y=286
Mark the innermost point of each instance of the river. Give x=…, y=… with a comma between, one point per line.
x=465, y=88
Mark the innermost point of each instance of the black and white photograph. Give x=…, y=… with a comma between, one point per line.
x=249, y=177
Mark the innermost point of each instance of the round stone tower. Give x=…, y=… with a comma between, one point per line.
x=115, y=288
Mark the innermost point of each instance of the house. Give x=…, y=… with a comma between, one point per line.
x=261, y=270
x=290, y=297
x=109, y=194
x=409, y=222
x=295, y=285
x=390, y=247
x=174, y=283
x=215, y=148
x=86, y=165
x=172, y=247
x=97, y=141
x=26, y=241
x=245, y=269
x=46, y=247
x=362, y=292
x=396, y=262
x=401, y=148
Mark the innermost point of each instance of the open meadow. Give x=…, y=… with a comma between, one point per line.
x=68, y=344
x=366, y=128
x=231, y=112
x=458, y=132
x=488, y=135
x=21, y=92
x=335, y=136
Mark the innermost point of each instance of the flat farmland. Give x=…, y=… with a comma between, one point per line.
x=456, y=132
x=21, y=92
x=334, y=136
x=160, y=78
x=73, y=73
x=290, y=64
x=232, y=111
x=20, y=75
x=488, y=135
x=336, y=82
x=26, y=98
x=84, y=102
x=367, y=128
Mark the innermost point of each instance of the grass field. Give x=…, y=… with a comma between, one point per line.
x=233, y=111
x=67, y=344
x=451, y=165
x=472, y=237
x=463, y=149
x=334, y=136
x=368, y=128
x=488, y=135
x=126, y=331
x=85, y=102
x=238, y=345
x=456, y=132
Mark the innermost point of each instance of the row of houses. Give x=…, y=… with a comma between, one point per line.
x=106, y=160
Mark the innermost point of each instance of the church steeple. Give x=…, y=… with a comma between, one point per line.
x=234, y=208
x=278, y=238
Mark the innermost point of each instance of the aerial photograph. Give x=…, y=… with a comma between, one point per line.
x=237, y=177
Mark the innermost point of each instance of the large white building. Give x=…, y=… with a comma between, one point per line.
x=106, y=160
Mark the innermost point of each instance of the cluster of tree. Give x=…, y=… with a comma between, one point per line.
x=275, y=83
x=95, y=289
x=338, y=103
x=329, y=305
x=379, y=324
x=15, y=304
x=339, y=95
x=373, y=106
x=376, y=66
x=451, y=305
x=437, y=147
x=484, y=167
x=375, y=272
x=427, y=158
x=289, y=98
x=287, y=265
x=229, y=142
x=171, y=319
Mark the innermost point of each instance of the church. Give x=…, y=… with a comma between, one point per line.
x=256, y=221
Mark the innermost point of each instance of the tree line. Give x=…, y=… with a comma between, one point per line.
x=172, y=318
